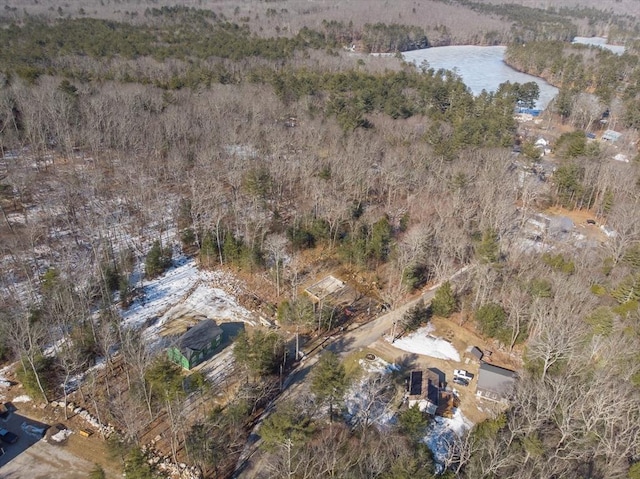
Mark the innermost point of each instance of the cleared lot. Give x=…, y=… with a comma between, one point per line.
x=27, y=436
x=32, y=458
x=45, y=461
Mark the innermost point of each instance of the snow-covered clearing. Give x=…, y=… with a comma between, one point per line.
x=183, y=291
x=23, y=398
x=422, y=342
x=161, y=293
x=369, y=400
x=442, y=434
x=210, y=302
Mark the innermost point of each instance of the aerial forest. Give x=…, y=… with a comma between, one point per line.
x=271, y=140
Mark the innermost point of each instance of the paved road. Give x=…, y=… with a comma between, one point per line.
x=344, y=344
x=370, y=332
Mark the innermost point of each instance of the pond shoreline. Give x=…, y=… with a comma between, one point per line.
x=481, y=68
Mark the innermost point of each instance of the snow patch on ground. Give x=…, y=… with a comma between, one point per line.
x=421, y=342
x=4, y=382
x=23, y=398
x=442, y=434
x=369, y=399
x=75, y=381
x=183, y=290
x=162, y=293
x=61, y=436
x=377, y=365
x=424, y=405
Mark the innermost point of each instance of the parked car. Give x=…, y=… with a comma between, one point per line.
x=8, y=436
x=4, y=411
x=461, y=381
x=461, y=373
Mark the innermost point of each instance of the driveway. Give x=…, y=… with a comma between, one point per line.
x=14, y=424
x=33, y=458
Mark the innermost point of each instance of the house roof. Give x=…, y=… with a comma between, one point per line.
x=477, y=352
x=199, y=336
x=415, y=383
x=495, y=381
x=424, y=384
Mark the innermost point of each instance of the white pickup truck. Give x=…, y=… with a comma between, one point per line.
x=461, y=373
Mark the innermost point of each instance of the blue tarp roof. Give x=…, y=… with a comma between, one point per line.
x=530, y=111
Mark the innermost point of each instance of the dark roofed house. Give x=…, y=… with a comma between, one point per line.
x=424, y=385
x=494, y=382
x=196, y=345
x=415, y=384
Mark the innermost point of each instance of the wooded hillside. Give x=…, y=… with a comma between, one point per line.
x=252, y=140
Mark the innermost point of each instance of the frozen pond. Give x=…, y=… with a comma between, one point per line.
x=599, y=42
x=481, y=68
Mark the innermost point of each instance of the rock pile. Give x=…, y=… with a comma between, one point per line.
x=104, y=429
x=166, y=466
x=163, y=464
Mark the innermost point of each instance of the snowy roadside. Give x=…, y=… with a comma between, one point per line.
x=422, y=342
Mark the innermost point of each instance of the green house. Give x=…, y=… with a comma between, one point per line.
x=196, y=345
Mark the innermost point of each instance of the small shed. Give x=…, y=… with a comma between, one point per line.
x=196, y=345
x=324, y=288
x=494, y=382
x=476, y=353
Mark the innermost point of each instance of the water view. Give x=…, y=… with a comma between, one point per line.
x=481, y=68
x=599, y=42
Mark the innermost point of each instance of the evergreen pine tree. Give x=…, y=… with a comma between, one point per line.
x=444, y=302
